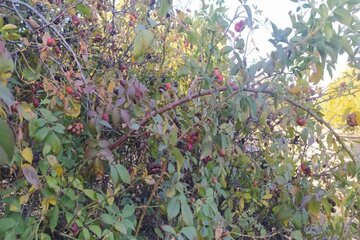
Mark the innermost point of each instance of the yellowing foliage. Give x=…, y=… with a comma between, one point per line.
x=341, y=98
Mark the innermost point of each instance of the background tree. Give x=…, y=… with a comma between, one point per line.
x=140, y=121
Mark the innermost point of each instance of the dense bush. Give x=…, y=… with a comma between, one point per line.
x=140, y=121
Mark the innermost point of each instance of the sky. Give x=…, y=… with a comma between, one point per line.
x=277, y=12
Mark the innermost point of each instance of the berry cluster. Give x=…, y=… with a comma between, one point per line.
x=76, y=128
x=154, y=168
x=206, y=160
x=192, y=139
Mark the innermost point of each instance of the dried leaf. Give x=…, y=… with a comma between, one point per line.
x=125, y=117
x=33, y=23
x=31, y=175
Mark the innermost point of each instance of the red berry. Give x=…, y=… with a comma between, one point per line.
x=239, y=26
x=50, y=42
x=69, y=90
x=57, y=50
x=75, y=20
x=220, y=79
x=14, y=108
x=75, y=229
x=300, y=121
x=167, y=86
x=105, y=117
x=216, y=72
x=35, y=102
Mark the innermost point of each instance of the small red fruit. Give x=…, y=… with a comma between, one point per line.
x=35, y=102
x=57, y=50
x=167, y=86
x=69, y=90
x=50, y=42
x=75, y=229
x=14, y=108
x=220, y=79
x=105, y=117
x=217, y=72
x=75, y=20
x=239, y=26
x=300, y=121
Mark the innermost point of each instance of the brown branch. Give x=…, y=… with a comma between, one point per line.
x=192, y=96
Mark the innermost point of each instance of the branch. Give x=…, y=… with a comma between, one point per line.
x=54, y=29
x=192, y=96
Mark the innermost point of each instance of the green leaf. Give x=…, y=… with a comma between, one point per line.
x=165, y=6
x=15, y=206
x=6, y=95
x=297, y=235
x=345, y=44
x=48, y=115
x=235, y=68
x=186, y=213
x=284, y=212
x=225, y=50
x=6, y=223
x=7, y=143
x=53, y=140
x=297, y=220
x=189, y=232
x=96, y=230
x=128, y=211
x=41, y=134
x=314, y=207
x=86, y=233
x=108, y=219
x=123, y=173
x=91, y=194
x=178, y=157
x=240, y=44
x=54, y=217
x=173, y=208
x=114, y=175
x=84, y=10
x=30, y=75
x=143, y=41
x=6, y=62
x=343, y=16
x=169, y=229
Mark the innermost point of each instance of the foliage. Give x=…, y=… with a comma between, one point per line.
x=342, y=94
x=140, y=121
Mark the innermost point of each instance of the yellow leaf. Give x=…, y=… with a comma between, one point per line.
x=23, y=199
x=295, y=90
x=73, y=110
x=317, y=74
x=241, y=204
x=44, y=206
x=267, y=196
x=357, y=115
x=27, y=154
x=110, y=195
x=264, y=203
x=59, y=170
x=51, y=200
